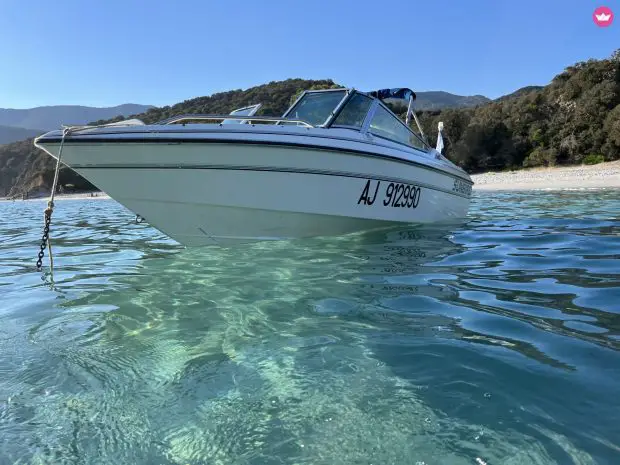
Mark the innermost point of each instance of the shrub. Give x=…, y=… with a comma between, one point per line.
x=593, y=159
x=540, y=157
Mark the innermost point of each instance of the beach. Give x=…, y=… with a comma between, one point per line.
x=78, y=195
x=602, y=175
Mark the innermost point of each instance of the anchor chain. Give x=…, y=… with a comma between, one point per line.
x=50, y=208
x=46, y=232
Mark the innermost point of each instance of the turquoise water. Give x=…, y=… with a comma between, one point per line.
x=496, y=342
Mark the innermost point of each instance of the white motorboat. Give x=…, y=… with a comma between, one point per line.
x=338, y=161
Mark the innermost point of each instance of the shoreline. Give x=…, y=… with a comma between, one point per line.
x=599, y=176
x=95, y=195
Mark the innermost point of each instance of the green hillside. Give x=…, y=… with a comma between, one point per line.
x=573, y=120
x=438, y=100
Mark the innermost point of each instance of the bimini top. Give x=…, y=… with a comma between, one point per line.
x=400, y=93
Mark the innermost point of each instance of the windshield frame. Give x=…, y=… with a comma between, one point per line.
x=371, y=114
x=347, y=94
x=253, y=109
x=365, y=128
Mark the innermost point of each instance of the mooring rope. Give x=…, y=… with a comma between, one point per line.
x=50, y=209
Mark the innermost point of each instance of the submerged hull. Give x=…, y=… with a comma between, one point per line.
x=204, y=192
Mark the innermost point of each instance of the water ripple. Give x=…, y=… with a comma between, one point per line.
x=494, y=342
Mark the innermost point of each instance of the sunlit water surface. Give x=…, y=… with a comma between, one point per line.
x=494, y=342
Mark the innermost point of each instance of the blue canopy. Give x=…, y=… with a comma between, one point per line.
x=397, y=92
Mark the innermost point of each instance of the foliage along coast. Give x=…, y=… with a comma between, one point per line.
x=573, y=120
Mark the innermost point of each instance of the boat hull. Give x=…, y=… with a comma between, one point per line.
x=222, y=193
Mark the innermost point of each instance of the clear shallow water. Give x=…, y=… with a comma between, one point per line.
x=495, y=342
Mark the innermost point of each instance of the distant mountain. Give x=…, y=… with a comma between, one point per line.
x=52, y=117
x=10, y=134
x=438, y=100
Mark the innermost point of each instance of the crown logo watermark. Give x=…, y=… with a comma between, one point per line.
x=603, y=16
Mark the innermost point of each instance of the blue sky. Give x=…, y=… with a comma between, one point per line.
x=145, y=51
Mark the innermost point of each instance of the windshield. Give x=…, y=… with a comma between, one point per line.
x=315, y=107
x=354, y=112
x=387, y=125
